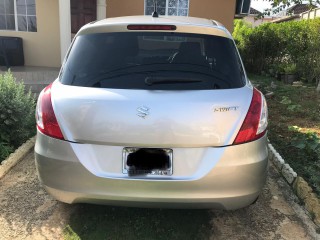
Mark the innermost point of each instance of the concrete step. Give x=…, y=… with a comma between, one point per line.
x=35, y=87
x=36, y=77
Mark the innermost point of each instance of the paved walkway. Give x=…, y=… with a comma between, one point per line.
x=28, y=212
x=34, y=78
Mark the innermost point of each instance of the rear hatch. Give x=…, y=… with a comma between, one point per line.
x=150, y=118
x=153, y=89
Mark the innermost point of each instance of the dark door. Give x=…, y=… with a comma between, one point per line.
x=82, y=12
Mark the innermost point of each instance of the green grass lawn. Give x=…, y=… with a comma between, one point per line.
x=105, y=222
x=294, y=126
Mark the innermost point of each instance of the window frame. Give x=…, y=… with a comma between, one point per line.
x=167, y=8
x=16, y=15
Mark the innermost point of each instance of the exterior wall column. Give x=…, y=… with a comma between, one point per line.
x=101, y=9
x=65, y=26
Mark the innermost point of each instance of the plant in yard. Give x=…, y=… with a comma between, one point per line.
x=290, y=71
x=280, y=67
x=291, y=47
x=290, y=68
x=291, y=107
x=308, y=141
x=285, y=100
x=5, y=150
x=294, y=107
x=275, y=69
x=299, y=146
x=16, y=114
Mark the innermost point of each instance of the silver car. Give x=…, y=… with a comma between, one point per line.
x=153, y=112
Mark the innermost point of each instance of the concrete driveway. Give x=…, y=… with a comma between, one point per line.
x=28, y=212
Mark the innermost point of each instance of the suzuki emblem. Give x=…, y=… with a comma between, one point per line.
x=143, y=112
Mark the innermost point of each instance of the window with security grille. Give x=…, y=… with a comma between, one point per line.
x=18, y=15
x=168, y=7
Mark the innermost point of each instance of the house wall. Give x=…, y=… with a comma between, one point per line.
x=256, y=22
x=42, y=48
x=315, y=13
x=117, y=8
x=220, y=10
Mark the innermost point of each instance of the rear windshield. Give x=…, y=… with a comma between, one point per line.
x=153, y=61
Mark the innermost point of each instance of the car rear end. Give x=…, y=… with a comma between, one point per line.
x=153, y=115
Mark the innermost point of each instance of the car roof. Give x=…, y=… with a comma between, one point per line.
x=160, y=20
x=184, y=24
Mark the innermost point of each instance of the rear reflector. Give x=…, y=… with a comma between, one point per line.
x=152, y=27
x=46, y=120
x=255, y=124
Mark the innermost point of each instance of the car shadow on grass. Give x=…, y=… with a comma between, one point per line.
x=105, y=222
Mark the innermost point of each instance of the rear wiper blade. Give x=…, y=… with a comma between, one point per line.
x=171, y=80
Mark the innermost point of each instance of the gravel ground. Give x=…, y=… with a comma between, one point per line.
x=276, y=215
x=28, y=212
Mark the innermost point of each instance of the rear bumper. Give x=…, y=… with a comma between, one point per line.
x=234, y=182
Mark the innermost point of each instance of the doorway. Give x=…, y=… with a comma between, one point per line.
x=82, y=12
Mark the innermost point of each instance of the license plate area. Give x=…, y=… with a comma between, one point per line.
x=147, y=161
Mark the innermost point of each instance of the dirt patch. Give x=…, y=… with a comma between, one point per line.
x=258, y=221
x=272, y=217
x=289, y=230
x=26, y=210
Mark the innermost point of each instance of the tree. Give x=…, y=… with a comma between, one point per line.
x=279, y=5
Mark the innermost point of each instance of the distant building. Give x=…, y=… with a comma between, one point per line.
x=255, y=17
x=296, y=9
x=294, y=13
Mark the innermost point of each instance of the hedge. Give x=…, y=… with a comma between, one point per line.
x=17, y=114
x=272, y=47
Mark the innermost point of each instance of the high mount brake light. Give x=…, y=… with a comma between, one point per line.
x=255, y=124
x=152, y=27
x=46, y=120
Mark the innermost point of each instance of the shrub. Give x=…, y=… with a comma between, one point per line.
x=17, y=121
x=5, y=150
x=271, y=46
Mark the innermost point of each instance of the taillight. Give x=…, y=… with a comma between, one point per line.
x=255, y=124
x=46, y=120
